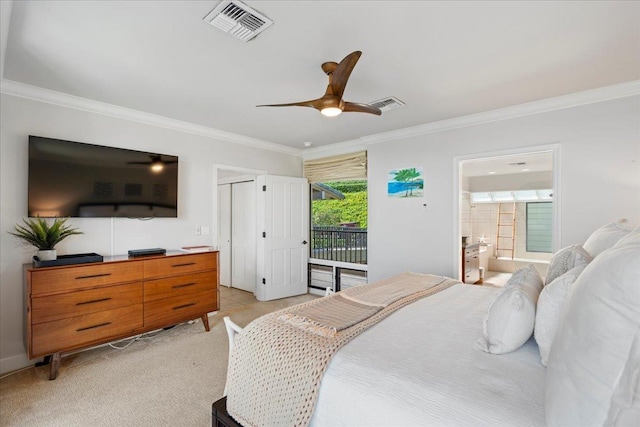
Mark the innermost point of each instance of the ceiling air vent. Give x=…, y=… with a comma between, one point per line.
x=387, y=104
x=238, y=19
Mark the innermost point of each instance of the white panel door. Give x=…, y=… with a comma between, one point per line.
x=243, y=235
x=283, y=213
x=224, y=233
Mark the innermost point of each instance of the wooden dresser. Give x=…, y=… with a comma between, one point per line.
x=471, y=263
x=78, y=306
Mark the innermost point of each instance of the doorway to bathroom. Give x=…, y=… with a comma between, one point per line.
x=508, y=209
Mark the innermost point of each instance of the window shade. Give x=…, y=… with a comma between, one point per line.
x=337, y=168
x=539, y=227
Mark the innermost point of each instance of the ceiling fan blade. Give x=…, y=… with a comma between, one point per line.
x=331, y=103
x=361, y=108
x=314, y=103
x=342, y=72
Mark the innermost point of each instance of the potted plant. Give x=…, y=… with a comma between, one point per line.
x=38, y=233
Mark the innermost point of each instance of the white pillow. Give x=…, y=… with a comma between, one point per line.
x=511, y=316
x=633, y=237
x=595, y=340
x=566, y=259
x=549, y=309
x=605, y=237
x=522, y=276
x=625, y=402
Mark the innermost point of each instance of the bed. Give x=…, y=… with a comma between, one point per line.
x=373, y=380
x=428, y=362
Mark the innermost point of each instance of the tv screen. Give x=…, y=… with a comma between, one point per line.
x=84, y=180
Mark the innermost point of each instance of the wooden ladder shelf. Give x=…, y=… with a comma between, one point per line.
x=506, y=235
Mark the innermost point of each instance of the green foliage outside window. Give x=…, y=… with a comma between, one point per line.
x=348, y=186
x=353, y=209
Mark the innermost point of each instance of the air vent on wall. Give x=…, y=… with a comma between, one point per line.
x=238, y=19
x=387, y=104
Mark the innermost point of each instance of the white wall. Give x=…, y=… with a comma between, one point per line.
x=599, y=180
x=21, y=117
x=5, y=19
x=599, y=164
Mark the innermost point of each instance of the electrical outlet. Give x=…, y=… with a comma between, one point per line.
x=205, y=230
x=198, y=230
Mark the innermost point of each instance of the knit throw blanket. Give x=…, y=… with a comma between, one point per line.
x=278, y=360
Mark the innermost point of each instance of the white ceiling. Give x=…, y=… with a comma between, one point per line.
x=443, y=59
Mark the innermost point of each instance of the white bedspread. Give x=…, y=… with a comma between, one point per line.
x=419, y=367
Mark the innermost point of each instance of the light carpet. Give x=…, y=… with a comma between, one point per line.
x=171, y=379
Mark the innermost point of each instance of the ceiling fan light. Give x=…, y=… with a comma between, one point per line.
x=157, y=166
x=331, y=111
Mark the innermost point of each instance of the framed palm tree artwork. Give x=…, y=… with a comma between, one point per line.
x=408, y=182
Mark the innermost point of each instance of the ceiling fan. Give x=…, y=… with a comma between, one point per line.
x=156, y=163
x=331, y=103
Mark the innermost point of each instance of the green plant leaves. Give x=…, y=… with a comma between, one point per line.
x=37, y=232
x=352, y=209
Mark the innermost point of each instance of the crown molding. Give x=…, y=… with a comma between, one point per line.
x=592, y=96
x=606, y=93
x=22, y=90
x=536, y=107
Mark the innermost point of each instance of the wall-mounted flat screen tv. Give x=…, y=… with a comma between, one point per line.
x=74, y=179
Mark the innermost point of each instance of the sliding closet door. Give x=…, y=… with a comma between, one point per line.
x=243, y=235
x=224, y=233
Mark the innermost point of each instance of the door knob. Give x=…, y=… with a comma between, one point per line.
x=304, y=242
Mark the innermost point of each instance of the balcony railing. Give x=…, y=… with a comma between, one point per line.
x=346, y=244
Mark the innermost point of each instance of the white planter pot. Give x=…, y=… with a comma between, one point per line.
x=48, y=255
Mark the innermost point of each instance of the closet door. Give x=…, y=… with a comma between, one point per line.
x=243, y=235
x=224, y=233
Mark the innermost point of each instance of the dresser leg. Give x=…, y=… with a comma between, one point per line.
x=54, y=366
x=205, y=321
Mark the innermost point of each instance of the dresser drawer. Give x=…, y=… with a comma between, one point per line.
x=176, y=286
x=72, y=304
x=179, y=309
x=80, y=331
x=174, y=265
x=468, y=252
x=54, y=280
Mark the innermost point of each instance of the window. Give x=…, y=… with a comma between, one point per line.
x=539, y=226
x=481, y=198
x=510, y=196
x=502, y=196
x=339, y=221
x=525, y=195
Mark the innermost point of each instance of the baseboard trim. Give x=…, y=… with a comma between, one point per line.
x=13, y=363
x=314, y=291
